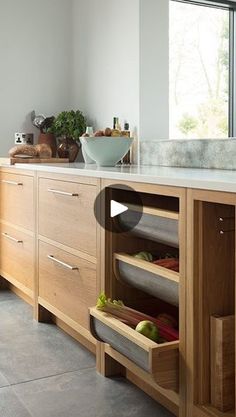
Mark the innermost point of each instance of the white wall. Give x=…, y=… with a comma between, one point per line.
x=35, y=63
x=106, y=57
x=106, y=60
x=154, y=69
x=121, y=63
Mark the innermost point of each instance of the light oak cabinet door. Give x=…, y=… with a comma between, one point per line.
x=66, y=214
x=67, y=282
x=16, y=202
x=17, y=258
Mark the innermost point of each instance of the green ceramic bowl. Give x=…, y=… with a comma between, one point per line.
x=106, y=151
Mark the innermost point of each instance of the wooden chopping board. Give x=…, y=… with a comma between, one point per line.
x=19, y=160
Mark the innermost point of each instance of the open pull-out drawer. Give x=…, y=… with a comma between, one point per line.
x=150, y=278
x=161, y=361
x=154, y=224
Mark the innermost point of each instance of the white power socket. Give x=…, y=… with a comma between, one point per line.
x=24, y=138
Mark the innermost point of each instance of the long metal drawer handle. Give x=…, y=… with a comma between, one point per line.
x=12, y=238
x=72, y=268
x=50, y=190
x=12, y=182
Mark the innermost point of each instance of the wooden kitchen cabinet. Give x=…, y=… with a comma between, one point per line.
x=210, y=291
x=53, y=252
x=157, y=369
x=66, y=213
x=17, y=199
x=17, y=230
x=68, y=245
x=67, y=285
x=17, y=258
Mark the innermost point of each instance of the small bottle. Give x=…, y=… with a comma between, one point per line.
x=126, y=133
x=116, y=123
x=89, y=130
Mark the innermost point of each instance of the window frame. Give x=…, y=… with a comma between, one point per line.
x=231, y=6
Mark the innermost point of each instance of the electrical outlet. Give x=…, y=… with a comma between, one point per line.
x=24, y=138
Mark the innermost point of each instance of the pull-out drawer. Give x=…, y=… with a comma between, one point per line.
x=66, y=214
x=17, y=258
x=150, y=278
x=66, y=282
x=155, y=224
x=161, y=361
x=16, y=201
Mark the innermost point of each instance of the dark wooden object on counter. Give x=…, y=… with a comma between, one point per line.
x=38, y=160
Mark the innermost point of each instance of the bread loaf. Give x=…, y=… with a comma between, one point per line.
x=28, y=150
x=43, y=151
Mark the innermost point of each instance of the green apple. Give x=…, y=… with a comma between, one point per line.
x=149, y=329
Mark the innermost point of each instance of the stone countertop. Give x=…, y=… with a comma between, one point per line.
x=207, y=179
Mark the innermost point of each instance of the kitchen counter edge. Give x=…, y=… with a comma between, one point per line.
x=207, y=179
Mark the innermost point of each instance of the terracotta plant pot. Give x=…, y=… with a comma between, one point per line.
x=49, y=139
x=68, y=148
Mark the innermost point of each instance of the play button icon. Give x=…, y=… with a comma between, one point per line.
x=117, y=208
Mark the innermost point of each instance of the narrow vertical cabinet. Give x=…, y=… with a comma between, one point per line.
x=157, y=368
x=17, y=230
x=210, y=304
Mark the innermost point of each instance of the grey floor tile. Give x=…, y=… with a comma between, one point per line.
x=10, y=405
x=39, y=355
x=31, y=350
x=3, y=381
x=6, y=296
x=86, y=394
x=15, y=315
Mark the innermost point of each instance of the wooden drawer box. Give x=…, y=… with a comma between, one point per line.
x=161, y=361
x=67, y=283
x=17, y=258
x=66, y=214
x=150, y=278
x=154, y=224
x=16, y=203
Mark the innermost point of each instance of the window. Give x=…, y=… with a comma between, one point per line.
x=201, y=86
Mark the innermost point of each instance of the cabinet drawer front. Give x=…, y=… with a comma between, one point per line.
x=67, y=282
x=17, y=257
x=66, y=214
x=16, y=204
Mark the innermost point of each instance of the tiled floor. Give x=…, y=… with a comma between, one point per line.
x=45, y=373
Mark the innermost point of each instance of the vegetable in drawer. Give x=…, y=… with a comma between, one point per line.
x=133, y=317
x=169, y=263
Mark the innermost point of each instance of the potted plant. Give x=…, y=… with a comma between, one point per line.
x=44, y=124
x=68, y=126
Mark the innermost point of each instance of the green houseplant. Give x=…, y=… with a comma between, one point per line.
x=68, y=126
